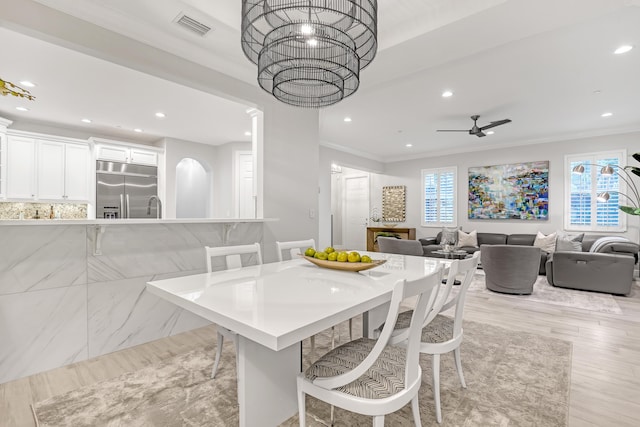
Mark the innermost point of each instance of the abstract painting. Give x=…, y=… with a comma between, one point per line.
x=512, y=191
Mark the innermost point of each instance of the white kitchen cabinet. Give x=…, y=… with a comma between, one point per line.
x=63, y=171
x=50, y=174
x=21, y=168
x=113, y=153
x=143, y=157
x=124, y=154
x=77, y=170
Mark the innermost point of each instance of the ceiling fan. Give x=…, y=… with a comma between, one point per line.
x=475, y=130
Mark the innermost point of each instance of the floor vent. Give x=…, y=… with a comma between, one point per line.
x=192, y=25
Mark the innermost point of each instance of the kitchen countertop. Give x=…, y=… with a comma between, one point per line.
x=140, y=221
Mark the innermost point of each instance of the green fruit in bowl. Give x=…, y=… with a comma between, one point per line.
x=310, y=252
x=333, y=256
x=321, y=255
x=342, y=257
x=365, y=259
x=329, y=249
x=353, y=257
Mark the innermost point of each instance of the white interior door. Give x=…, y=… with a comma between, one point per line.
x=356, y=211
x=244, y=189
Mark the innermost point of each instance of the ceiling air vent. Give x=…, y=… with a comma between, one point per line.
x=192, y=25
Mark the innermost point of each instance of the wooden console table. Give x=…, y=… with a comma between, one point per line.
x=403, y=233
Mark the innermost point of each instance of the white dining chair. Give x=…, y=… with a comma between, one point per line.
x=233, y=259
x=293, y=249
x=372, y=376
x=442, y=334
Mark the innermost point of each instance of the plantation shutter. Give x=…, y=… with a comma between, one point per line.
x=439, y=207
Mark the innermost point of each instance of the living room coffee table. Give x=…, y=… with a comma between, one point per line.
x=458, y=254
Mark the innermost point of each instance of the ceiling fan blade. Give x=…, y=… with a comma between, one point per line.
x=480, y=134
x=452, y=130
x=494, y=124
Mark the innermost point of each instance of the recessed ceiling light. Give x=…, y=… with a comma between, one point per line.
x=27, y=83
x=160, y=115
x=137, y=130
x=409, y=145
x=347, y=119
x=247, y=133
x=22, y=109
x=607, y=114
x=85, y=121
x=490, y=132
x=623, y=49
x=447, y=94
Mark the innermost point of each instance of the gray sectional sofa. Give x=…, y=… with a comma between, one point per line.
x=608, y=269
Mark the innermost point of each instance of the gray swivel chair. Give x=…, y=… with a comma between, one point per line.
x=391, y=245
x=510, y=269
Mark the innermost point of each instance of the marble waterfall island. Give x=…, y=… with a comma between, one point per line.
x=75, y=289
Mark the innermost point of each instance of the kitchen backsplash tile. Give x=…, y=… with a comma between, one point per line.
x=12, y=210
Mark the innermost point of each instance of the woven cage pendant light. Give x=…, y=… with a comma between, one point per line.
x=309, y=53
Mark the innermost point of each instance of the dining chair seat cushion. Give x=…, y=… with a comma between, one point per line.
x=384, y=379
x=439, y=330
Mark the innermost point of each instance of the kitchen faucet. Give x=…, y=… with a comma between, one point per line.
x=158, y=205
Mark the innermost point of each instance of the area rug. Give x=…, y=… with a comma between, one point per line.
x=513, y=378
x=545, y=293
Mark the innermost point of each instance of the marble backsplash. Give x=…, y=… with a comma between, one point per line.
x=13, y=210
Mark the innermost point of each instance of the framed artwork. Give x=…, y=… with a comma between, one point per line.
x=393, y=203
x=512, y=191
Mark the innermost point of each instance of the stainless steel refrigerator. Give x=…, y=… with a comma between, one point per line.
x=124, y=190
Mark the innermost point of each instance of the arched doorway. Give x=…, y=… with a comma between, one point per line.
x=193, y=190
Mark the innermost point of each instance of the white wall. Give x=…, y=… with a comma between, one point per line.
x=290, y=158
x=408, y=173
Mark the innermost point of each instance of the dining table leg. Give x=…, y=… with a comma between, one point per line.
x=372, y=319
x=266, y=383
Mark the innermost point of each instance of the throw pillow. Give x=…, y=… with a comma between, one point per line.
x=449, y=236
x=546, y=243
x=566, y=242
x=468, y=239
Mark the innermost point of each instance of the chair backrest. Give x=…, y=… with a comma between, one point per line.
x=466, y=268
x=425, y=289
x=232, y=254
x=294, y=247
x=391, y=245
x=510, y=263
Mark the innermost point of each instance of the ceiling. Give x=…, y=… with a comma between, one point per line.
x=72, y=86
x=547, y=65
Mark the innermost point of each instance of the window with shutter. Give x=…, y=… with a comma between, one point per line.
x=439, y=201
x=585, y=209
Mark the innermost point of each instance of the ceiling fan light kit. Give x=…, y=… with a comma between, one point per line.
x=309, y=53
x=476, y=130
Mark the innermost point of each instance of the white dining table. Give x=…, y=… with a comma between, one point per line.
x=273, y=307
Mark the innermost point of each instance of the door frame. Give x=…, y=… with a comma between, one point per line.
x=236, y=183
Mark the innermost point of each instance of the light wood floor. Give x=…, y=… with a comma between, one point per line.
x=605, y=376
